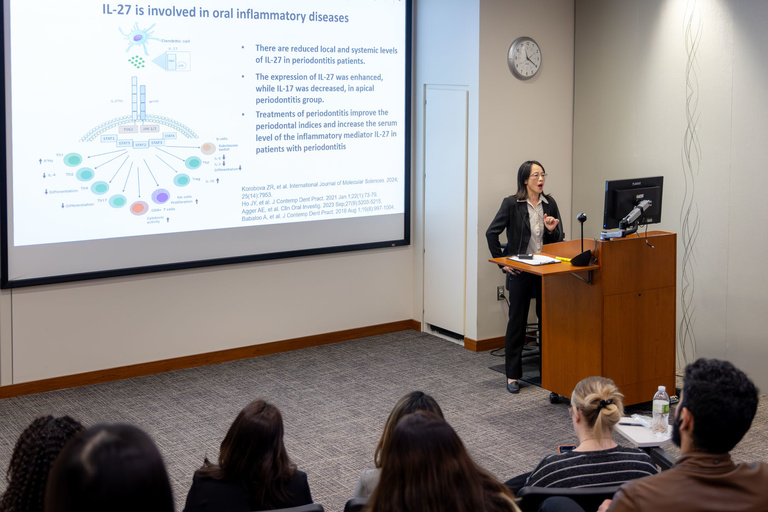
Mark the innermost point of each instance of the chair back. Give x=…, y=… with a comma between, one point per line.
x=312, y=507
x=590, y=498
x=355, y=504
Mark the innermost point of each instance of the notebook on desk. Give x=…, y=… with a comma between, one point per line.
x=536, y=259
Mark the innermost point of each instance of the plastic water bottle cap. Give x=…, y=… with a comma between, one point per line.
x=662, y=388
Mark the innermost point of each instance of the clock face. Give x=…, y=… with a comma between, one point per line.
x=524, y=58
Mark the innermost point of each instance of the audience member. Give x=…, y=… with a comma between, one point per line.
x=425, y=468
x=717, y=406
x=31, y=461
x=254, y=471
x=412, y=402
x=596, y=407
x=115, y=468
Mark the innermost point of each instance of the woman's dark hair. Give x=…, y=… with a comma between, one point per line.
x=427, y=469
x=34, y=453
x=115, y=468
x=523, y=173
x=412, y=402
x=253, y=452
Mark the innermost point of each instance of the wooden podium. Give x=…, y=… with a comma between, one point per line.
x=615, y=318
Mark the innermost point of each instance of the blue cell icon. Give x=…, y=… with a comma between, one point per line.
x=181, y=180
x=118, y=201
x=85, y=174
x=100, y=187
x=72, y=160
x=139, y=37
x=160, y=196
x=193, y=162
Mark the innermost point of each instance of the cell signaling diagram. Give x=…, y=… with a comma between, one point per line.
x=142, y=160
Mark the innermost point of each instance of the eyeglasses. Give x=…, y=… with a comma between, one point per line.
x=537, y=176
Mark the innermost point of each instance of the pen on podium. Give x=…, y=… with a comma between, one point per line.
x=567, y=260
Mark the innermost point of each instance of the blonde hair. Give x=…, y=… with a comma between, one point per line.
x=601, y=404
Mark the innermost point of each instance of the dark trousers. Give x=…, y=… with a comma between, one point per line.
x=522, y=288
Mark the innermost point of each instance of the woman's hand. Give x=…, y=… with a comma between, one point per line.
x=550, y=222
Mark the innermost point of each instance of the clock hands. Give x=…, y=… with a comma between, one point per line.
x=529, y=59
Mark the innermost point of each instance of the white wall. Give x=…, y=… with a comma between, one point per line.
x=445, y=53
x=465, y=42
x=677, y=88
x=519, y=121
x=77, y=327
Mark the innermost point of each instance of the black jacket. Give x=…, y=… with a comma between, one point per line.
x=513, y=216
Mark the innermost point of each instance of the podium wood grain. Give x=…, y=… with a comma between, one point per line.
x=621, y=326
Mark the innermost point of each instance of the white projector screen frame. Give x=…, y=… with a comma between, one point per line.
x=156, y=136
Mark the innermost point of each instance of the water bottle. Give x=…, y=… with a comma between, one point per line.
x=660, y=411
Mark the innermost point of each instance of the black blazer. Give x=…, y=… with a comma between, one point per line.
x=210, y=495
x=513, y=216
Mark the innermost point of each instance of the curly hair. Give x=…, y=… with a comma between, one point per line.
x=723, y=402
x=34, y=453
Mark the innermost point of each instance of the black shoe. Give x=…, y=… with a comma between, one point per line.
x=513, y=387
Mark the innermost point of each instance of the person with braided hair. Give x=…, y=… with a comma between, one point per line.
x=31, y=461
x=596, y=407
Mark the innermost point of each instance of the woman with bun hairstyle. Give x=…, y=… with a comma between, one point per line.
x=596, y=407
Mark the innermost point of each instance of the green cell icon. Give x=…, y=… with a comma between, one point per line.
x=193, y=162
x=181, y=180
x=85, y=174
x=100, y=187
x=117, y=201
x=72, y=160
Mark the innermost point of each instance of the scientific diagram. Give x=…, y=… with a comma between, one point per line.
x=131, y=148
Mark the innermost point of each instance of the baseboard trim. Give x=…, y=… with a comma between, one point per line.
x=483, y=345
x=220, y=356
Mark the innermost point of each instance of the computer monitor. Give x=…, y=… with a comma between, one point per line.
x=623, y=196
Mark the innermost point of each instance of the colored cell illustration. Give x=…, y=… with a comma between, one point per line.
x=85, y=174
x=73, y=160
x=181, y=180
x=100, y=188
x=208, y=148
x=193, y=162
x=139, y=208
x=160, y=196
x=139, y=37
x=117, y=201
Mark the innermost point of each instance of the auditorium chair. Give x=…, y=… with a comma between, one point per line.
x=590, y=498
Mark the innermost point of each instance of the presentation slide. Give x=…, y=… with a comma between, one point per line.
x=151, y=134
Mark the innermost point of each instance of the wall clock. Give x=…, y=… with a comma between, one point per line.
x=524, y=58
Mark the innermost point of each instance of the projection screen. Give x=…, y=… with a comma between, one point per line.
x=154, y=136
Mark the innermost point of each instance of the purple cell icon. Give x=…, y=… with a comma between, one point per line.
x=160, y=196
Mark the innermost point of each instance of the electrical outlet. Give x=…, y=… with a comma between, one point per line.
x=499, y=293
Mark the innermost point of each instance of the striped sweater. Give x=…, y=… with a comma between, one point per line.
x=589, y=469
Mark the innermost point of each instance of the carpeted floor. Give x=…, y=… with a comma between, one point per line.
x=335, y=400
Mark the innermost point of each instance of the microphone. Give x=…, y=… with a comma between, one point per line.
x=522, y=224
x=583, y=259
